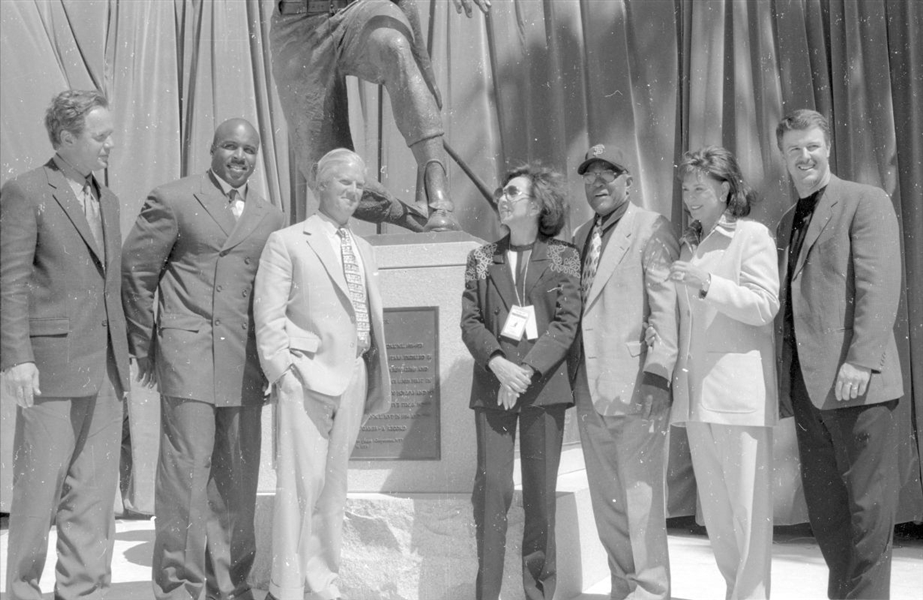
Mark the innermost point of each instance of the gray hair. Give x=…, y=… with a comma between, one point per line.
x=334, y=158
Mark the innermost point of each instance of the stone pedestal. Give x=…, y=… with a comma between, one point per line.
x=409, y=529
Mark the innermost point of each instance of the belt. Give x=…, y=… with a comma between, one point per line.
x=312, y=7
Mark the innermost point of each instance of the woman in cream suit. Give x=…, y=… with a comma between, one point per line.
x=724, y=384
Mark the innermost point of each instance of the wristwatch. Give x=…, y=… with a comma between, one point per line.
x=704, y=291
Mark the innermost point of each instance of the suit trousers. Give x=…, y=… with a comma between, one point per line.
x=65, y=471
x=733, y=472
x=316, y=435
x=540, y=439
x=625, y=463
x=849, y=470
x=205, y=499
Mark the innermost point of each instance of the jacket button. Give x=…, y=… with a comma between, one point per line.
x=105, y=323
x=243, y=326
x=247, y=260
x=219, y=288
x=223, y=253
x=217, y=321
x=245, y=293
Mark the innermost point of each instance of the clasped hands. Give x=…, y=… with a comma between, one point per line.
x=514, y=380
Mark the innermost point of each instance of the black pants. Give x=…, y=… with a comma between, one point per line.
x=849, y=469
x=541, y=435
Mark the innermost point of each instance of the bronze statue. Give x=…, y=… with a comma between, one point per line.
x=316, y=44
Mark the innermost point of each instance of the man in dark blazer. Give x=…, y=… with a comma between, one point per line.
x=64, y=352
x=839, y=265
x=197, y=243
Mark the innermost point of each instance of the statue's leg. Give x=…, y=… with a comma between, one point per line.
x=378, y=48
x=312, y=91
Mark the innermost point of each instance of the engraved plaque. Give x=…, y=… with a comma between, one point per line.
x=411, y=429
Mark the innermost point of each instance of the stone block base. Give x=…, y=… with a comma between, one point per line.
x=422, y=546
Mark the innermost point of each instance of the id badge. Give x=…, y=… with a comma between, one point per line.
x=531, y=324
x=516, y=322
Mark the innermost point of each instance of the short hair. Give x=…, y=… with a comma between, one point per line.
x=719, y=164
x=802, y=119
x=68, y=111
x=332, y=159
x=549, y=190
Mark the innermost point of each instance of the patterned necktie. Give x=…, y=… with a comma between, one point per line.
x=591, y=261
x=237, y=203
x=91, y=210
x=356, y=289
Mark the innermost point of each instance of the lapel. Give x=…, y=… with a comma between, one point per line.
x=823, y=212
x=109, y=213
x=783, y=244
x=616, y=247
x=64, y=195
x=215, y=203
x=317, y=241
x=538, y=264
x=254, y=212
x=499, y=273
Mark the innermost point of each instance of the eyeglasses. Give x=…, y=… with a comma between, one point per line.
x=509, y=194
x=606, y=176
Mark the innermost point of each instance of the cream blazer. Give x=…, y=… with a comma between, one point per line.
x=726, y=372
x=306, y=321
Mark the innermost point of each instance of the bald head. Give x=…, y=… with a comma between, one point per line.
x=234, y=149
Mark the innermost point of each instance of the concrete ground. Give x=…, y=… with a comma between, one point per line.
x=798, y=568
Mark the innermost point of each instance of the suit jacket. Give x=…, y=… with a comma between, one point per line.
x=631, y=287
x=845, y=293
x=553, y=288
x=305, y=319
x=726, y=371
x=62, y=306
x=187, y=246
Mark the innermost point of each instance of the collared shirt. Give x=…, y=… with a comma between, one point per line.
x=227, y=187
x=77, y=181
x=608, y=226
x=330, y=227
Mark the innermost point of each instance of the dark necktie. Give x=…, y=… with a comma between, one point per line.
x=356, y=289
x=236, y=204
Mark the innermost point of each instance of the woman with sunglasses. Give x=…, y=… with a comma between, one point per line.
x=520, y=311
x=724, y=383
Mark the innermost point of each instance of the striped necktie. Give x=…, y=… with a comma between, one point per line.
x=356, y=289
x=591, y=261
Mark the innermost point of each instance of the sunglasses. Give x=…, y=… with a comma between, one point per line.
x=606, y=176
x=510, y=193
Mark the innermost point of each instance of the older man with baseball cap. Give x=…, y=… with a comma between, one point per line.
x=622, y=386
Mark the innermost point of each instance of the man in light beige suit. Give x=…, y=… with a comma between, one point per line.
x=321, y=343
x=622, y=387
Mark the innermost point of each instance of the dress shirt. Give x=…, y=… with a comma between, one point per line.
x=226, y=190
x=804, y=212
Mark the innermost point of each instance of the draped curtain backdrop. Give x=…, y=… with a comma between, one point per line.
x=536, y=80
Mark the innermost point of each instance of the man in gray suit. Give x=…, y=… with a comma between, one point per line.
x=197, y=243
x=839, y=266
x=64, y=354
x=622, y=386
